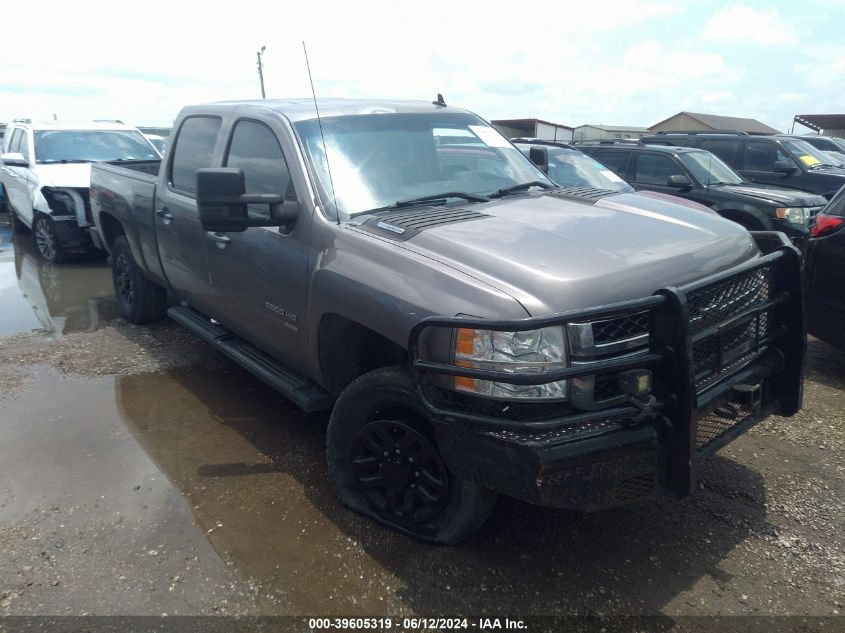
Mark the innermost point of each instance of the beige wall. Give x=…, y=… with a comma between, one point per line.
x=680, y=122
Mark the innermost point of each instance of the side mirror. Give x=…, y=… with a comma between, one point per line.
x=679, y=181
x=784, y=167
x=540, y=157
x=14, y=159
x=222, y=203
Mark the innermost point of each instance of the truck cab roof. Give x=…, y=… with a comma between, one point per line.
x=303, y=109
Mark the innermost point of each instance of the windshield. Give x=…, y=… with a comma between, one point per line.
x=574, y=169
x=806, y=153
x=377, y=160
x=57, y=146
x=709, y=169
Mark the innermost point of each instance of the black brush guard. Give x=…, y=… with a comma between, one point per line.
x=705, y=394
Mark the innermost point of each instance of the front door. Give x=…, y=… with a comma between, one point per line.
x=259, y=276
x=181, y=240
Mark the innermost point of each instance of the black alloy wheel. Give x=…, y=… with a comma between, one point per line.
x=400, y=471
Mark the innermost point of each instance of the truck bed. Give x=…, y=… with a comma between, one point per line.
x=146, y=169
x=125, y=190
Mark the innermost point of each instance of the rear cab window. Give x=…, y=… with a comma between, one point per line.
x=193, y=149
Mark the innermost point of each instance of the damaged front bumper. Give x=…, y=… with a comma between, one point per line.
x=725, y=353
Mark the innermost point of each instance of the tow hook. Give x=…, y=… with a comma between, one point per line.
x=647, y=408
x=750, y=396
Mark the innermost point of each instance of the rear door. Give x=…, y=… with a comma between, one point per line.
x=616, y=159
x=728, y=149
x=759, y=160
x=181, y=241
x=259, y=275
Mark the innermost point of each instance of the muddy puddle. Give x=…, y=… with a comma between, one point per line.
x=57, y=299
x=195, y=457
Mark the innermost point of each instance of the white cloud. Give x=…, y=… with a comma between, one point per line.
x=739, y=23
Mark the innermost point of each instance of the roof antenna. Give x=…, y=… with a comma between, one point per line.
x=322, y=138
x=439, y=101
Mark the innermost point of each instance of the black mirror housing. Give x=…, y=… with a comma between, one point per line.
x=679, y=181
x=784, y=167
x=222, y=203
x=540, y=157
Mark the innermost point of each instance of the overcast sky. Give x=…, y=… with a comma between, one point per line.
x=632, y=62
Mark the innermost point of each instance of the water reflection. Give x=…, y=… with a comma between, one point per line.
x=64, y=298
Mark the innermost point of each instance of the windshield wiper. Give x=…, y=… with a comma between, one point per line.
x=823, y=165
x=521, y=187
x=438, y=196
x=63, y=161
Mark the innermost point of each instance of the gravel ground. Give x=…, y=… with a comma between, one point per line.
x=141, y=473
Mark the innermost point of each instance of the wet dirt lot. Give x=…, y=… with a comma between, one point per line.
x=141, y=473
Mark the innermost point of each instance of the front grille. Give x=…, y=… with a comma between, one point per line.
x=716, y=304
x=606, y=387
x=721, y=301
x=719, y=422
x=620, y=328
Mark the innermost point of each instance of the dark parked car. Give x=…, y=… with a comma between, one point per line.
x=700, y=176
x=780, y=159
x=473, y=327
x=569, y=167
x=825, y=274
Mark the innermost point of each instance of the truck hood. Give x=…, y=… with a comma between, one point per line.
x=64, y=175
x=554, y=254
x=779, y=196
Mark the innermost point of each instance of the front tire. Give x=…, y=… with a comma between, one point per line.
x=140, y=300
x=47, y=241
x=384, y=462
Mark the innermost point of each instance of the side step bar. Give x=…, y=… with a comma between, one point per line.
x=301, y=391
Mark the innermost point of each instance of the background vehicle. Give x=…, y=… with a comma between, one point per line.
x=825, y=274
x=473, y=327
x=159, y=142
x=700, y=176
x=778, y=160
x=570, y=167
x=46, y=173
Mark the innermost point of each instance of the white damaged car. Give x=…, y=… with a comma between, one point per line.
x=46, y=174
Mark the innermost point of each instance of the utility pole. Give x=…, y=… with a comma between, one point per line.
x=261, y=71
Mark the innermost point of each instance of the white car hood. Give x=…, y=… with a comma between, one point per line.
x=64, y=175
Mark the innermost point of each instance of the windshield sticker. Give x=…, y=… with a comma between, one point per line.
x=610, y=176
x=490, y=136
x=809, y=161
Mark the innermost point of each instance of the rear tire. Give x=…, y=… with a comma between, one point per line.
x=384, y=462
x=140, y=300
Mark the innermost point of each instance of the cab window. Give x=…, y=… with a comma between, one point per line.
x=193, y=150
x=653, y=169
x=615, y=159
x=255, y=149
x=762, y=156
x=723, y=148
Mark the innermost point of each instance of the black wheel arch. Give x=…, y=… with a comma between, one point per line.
x=347, y=349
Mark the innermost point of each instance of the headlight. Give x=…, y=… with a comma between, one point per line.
x=793, y=215
x=532, y=352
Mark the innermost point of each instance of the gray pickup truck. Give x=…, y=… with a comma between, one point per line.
x=473, y=328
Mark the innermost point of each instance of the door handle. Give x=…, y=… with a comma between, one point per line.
x=221, y=240
x=164, y=214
